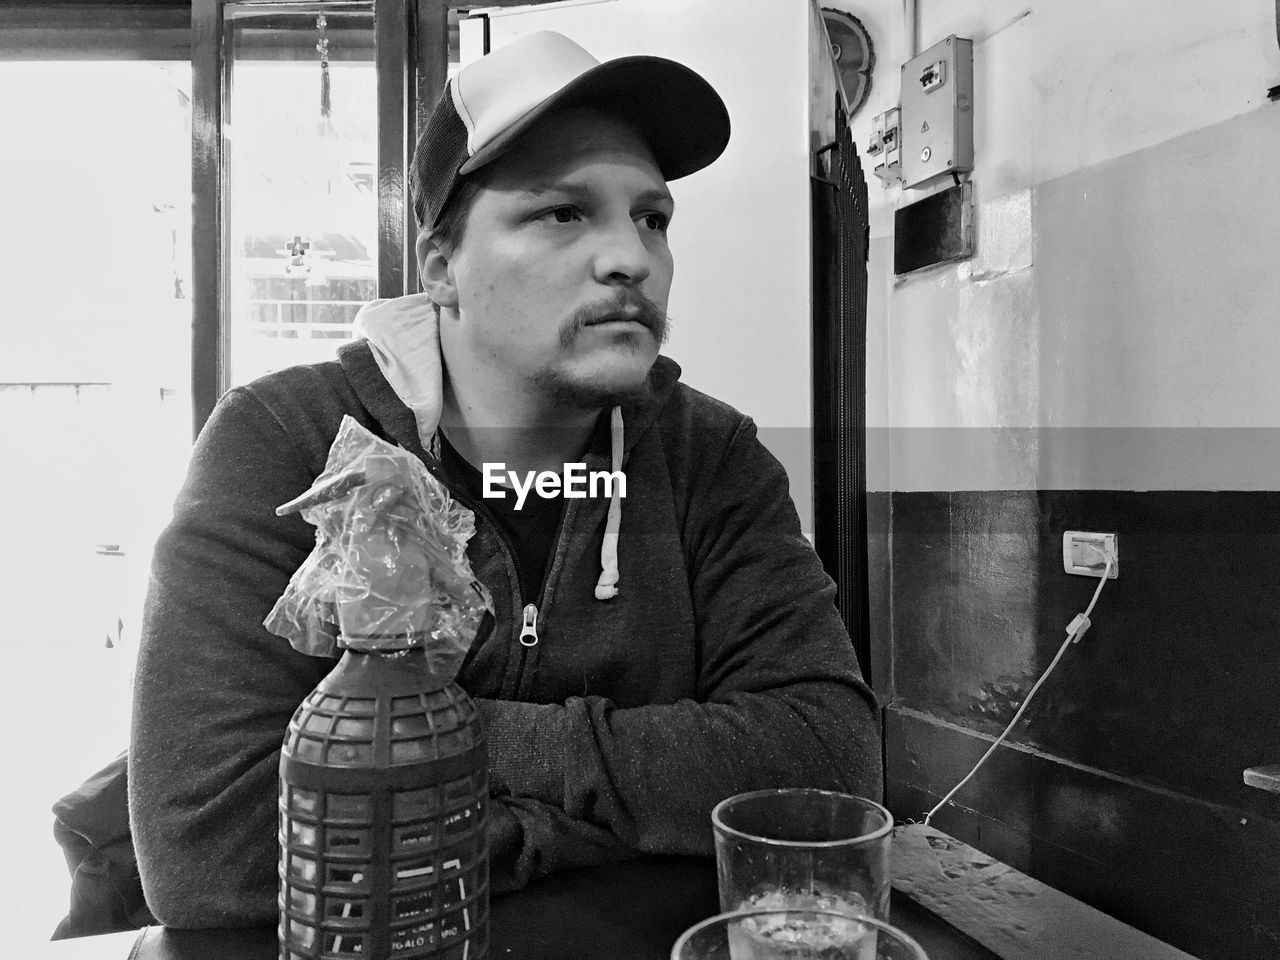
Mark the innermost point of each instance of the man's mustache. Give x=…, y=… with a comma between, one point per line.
x=631, y=304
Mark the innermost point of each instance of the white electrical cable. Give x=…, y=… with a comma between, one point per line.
x=1075, y=630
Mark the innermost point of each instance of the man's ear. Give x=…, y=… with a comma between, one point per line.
x=434, y=272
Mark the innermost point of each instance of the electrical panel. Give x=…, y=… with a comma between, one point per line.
x=937, y=112
x=886, y=144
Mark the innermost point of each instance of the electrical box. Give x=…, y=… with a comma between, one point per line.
x=937, y=112
x=885, y=147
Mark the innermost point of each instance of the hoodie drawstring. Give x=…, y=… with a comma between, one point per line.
x=607, y=585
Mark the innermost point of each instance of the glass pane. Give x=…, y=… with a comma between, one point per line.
x=95, y=184
x=95, y=415
x=300, y=207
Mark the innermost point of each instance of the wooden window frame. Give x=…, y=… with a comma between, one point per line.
x=411, y=39
x=95, y=30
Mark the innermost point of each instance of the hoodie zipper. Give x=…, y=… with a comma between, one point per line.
x=528, y=637
x=529, y=625
x=529, y=629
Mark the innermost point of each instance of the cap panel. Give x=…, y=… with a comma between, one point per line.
x=497, y=90
x=678, y=113
x=460, y=106
x=441, y=150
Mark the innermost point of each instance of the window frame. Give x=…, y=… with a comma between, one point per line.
x=411, y=46
x=411, y=43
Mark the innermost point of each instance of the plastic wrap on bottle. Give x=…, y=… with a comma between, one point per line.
x=389, y=569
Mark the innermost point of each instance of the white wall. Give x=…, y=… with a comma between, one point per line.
x=740, y=302
x=1116, y=326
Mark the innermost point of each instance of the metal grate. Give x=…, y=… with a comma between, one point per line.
x=841, y=238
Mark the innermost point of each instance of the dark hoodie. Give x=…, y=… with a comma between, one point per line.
x=721, y=665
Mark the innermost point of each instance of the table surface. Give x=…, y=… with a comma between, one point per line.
x=633, y=910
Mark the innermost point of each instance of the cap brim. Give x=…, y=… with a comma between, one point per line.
x=678, y=113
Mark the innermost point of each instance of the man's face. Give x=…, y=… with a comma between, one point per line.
x=563, y=270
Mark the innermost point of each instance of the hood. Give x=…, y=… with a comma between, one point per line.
x=402, y=336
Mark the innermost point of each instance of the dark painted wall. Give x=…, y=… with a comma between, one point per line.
x=1124, y=785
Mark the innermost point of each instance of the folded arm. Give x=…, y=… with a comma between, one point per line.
x=214, y=690
x=780, y=699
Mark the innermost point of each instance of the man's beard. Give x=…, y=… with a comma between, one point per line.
x=585, y=394
x=569, y=392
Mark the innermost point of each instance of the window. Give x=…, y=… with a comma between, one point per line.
x=95, y=409
x=300, y=212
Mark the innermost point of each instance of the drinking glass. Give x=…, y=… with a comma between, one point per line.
x=803, y=848
x=794, y=935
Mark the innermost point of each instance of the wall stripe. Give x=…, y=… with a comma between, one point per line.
x=1073, y=458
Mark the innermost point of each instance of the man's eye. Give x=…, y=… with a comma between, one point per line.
x=656, y=221
x=564, y=214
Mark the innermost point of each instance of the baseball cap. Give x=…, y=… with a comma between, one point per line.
x=488, y=104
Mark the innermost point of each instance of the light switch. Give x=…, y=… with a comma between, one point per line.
x=933, y=76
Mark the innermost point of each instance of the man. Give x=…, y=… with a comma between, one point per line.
x=651, y=654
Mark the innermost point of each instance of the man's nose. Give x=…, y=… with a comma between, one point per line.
x=622, y=257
